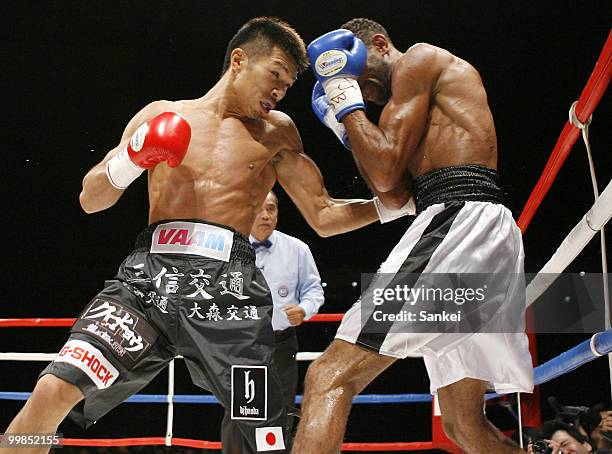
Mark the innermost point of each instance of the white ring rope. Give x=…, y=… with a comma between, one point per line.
x=520, y=419
x=591, y=223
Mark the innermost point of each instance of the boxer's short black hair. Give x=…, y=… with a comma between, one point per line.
x=260, y=34
x=364, y=29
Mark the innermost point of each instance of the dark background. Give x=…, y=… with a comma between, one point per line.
x=74, y=73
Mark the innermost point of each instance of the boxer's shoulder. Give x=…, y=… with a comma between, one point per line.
x=149, y=111
x=159, y=106
x=420, y=55
x=183, y=106
x=425, y=50
x=282, y=128
x=420, y=66
x=280, y=120
x=432, y=60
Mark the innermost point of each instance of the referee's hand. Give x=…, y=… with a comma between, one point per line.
x=295, y=314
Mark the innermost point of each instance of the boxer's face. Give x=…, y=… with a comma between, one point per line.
x=266, y=219
x=375, y=81
x=264, y=82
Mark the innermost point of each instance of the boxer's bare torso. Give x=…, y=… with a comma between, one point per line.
x=228, y=169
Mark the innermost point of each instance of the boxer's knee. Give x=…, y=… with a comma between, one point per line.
x=315, y=376
x=50, y=402
x=325, y=376
x=52, y=394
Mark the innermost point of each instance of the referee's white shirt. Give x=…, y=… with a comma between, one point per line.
x=291, y=274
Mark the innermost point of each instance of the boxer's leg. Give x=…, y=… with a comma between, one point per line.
x=89, y=376
x=331, y=383
x=46, y=408
x=464, y=421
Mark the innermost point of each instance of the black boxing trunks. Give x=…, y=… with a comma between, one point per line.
x=189, y=288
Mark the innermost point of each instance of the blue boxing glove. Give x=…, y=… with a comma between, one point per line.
x=325, y=113
x=338, y=58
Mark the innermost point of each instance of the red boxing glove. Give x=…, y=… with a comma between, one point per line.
x=165, y=137
x=162, y=138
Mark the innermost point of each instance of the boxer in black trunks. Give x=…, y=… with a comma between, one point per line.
x=190, y=286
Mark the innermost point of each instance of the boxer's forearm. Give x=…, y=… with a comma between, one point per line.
x=394, y=199
x=375, y=153
x=369, y=144
x=345, y=215
x=98, y=193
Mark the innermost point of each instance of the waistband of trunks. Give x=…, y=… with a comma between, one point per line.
x=241, y=247
x=457, y=184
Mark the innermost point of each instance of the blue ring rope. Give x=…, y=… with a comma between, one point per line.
x=562, y=364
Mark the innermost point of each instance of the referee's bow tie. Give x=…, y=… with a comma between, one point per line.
x=264, y=243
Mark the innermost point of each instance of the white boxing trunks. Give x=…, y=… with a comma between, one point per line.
x=457, y=236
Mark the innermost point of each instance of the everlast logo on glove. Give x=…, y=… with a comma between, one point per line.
x=250, y=392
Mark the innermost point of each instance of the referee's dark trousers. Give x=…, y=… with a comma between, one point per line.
x=286, y=364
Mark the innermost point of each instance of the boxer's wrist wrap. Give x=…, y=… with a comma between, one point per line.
x=387, y=214
x=121, y=171
x=344, y=95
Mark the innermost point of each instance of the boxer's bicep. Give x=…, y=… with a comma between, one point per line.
x=298, y=174
x=386, y=149
x=403, y=122
x=303, y=182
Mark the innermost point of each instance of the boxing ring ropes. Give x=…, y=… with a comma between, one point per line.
x=598, y=345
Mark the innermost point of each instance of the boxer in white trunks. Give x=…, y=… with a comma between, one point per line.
x=436, y=134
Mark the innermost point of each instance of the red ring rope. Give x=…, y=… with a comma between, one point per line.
x=203, y=444
x=590, y=97
x=67, y=322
